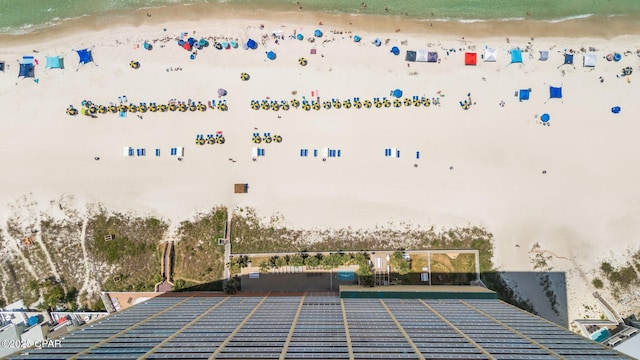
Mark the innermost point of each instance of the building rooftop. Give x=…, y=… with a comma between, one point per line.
x=321, y=326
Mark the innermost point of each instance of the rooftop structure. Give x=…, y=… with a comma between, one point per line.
x=321, y=326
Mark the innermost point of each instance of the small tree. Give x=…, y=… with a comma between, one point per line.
x=281, y=262
x=399, y=263
x=264, y=266
x=296, y=260
x=312, y=262
x=231, y=286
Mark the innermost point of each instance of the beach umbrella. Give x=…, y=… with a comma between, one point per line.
x=134, y=64
x=387, y=103
x=357, y=38
x=102, y=109
x=191, y=41
x=244, y=76
x=267, y=138
x=277, y=138
x=271, y=55
x=367, y=104
x=346, y=104
x=426, y=102
x=217, y=45
x=222, y=92
x=317, y=33
x=377, y=42
x=315, y=105
x=252, y=44
x=284, y=105
x=397, y=93
x=395, y=50
x=326, y=105
x=233, y=44
x=615, y=109
x=147, y=46
x=295, y=103
x=617, y=57
x=203, y=42
x=337, y=104
x=302, y=61
x=407, y=102
x=72, y=111
x=545, y=118
x=186, y=46
x=397, y=103
x=255, y=105
x=306, y=106
x=299, y=36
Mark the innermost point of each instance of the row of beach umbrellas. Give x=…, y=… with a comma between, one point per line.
x=267, y=138
x=337, y=104
x=211, y=139
x=90, y=108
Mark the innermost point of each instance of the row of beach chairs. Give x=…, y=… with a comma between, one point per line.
x=130, y=151
x=325, y=152
x=394, y=152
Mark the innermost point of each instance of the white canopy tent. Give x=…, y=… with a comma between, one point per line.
x=490, y=55
x=589, y=60
x=421, y=55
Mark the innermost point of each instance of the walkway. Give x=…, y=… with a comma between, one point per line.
x=166, y=285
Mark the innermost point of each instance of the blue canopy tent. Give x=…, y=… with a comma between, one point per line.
x=568, y=60
x=26, y=71
x=55, y=62
x=524, y=94
x=252, y=44
x=516, y=56
x=395, y=51
x=85, y=57
x=555, y=93
x=271, y=55
x=2, y=66
x=317, y=33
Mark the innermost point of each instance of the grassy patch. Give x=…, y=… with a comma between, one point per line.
x=198, y=257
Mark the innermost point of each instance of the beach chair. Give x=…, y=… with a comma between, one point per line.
x=180, y=151
x=130, y=151
x=260, y=152
x=254, y=152
x=157, y=152
x=172, y=152
x=125, y=151
x=325, y=152
x=315, y=152
x=138, y=152
x=397, y=153
x=417, y=154
x=339, y=152
x=143, y=152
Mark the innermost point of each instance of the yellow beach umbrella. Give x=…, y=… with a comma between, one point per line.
x=302, y=61
x=244, y=76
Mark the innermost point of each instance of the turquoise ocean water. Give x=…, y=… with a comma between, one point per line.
x=19, y=16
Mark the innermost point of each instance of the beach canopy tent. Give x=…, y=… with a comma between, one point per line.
x=470, y=58
x=555, y=92
x=615, y=109
x=252, y=44
x=2, y=66
x=516, y=56
x=524, y=94
x=26, y=70
x=395, y=51
x=271, y=55
x=490, y=55
x=544, y=55
x=410, y=56
x=422, y=55
x=54, y=62
x=589, y=60
x=85, y=57
x=568, y=59
x=317, y=33
x=432, y=56
x=545, y=118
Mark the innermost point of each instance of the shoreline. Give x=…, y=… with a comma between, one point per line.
x=600, y=27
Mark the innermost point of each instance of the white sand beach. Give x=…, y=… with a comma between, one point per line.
x=482, y=166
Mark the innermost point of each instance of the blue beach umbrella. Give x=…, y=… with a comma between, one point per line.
x=545, y=118
x=224, y=44
x=377, y=42
x=395, y=50
x=357, y=38
x=252, y=44
x=617, y=57
x=615, y=109
x=271, y=55
x=233, y=44
x=397, y=93
x=317, y=33
x=299, y=36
